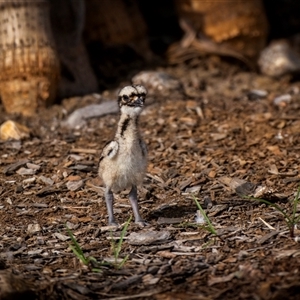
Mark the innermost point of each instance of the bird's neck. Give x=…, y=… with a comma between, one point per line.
x=128, y=126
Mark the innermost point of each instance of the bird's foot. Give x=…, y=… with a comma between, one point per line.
x=113, y=223
x=141, y=223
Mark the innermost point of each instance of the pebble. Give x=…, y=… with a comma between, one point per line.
x=199, y=218
x=24, y=171
x=279, y=58
x=282, y=100
x=61, y=237
x=29, y=180
x=33, y=228
x=33, y=166
x=149, y=237
x=74, y=185
x=257, y=94
x=46, y=180
x=157, y=82
x=13, y=130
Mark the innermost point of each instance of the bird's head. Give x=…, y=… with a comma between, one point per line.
x=131, y=99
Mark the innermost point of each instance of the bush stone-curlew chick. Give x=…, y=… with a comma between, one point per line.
x=123, y=161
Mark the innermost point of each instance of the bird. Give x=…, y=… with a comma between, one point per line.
x=123, y=161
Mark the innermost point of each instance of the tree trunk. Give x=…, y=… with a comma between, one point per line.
x=29, y=67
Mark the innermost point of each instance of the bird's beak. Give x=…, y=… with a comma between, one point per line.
x=139, y=102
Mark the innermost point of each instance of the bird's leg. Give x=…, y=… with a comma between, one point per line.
x=109, y=200
x=135, y=207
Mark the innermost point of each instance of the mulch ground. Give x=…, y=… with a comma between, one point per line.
x=223, y=124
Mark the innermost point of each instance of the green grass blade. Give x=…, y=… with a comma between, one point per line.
x=79, y=256
x=296, y=199
x=286, y=217
x=122, y=263
x=120, y=242
x=76, y=248
x=210, y=225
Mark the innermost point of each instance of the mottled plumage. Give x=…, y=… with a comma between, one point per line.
x=123, y=161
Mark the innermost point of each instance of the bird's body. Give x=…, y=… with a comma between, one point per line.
x=123, y=161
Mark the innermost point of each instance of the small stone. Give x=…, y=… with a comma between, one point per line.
x=157, y=82
x=74, y=185
x=8, y=200
x=257, y=94
x=13, y=130
x=149, y=237
x=29, y=180
x=24, y=171
x=46, y=180
x=199, y=218
x=33, y=228
x=70, y=225
x=35, y=252
x=282, y=100
x=33, y=166
x=61, y=237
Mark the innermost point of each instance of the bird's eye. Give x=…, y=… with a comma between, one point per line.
x=125, y=97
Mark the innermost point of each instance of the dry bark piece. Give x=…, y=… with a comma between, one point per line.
x=29, y=66
x=266, y=237
x=127, y=282
x=49, y=190
x=11, y=168
x=249, y=189
x=13, y=130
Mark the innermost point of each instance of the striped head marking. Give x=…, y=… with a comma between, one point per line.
x=132, y=96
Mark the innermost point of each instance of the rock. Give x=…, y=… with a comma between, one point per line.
x=33, y=166
x=78, y=118
x=61, y=237
x=74, y=185
x=11, y=168
x=279, y=58
x=199, y=218
x=149, y=237
x=33, y=228
x=157, y=82
x=24, y=171
x=13, y=130
x=282, y=100
x=29, y=180
x=46, y=180
x=257, y=94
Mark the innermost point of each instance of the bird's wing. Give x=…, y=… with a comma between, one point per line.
x=110, y=150
x=143, y=147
